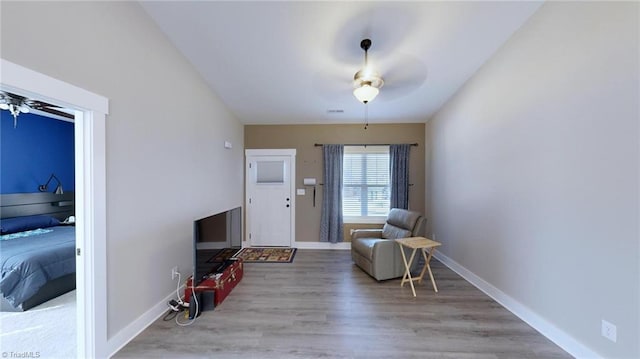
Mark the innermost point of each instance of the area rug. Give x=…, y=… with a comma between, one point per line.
x=267, y=255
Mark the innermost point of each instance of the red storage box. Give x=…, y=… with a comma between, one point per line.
x=220, y=283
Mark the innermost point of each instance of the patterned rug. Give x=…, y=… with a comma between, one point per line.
x=267, y=255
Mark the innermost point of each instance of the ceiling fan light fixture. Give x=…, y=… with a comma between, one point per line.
x=366, y=82
x=366, y=93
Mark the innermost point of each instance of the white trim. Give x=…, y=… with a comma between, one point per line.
x=128, y=333
x=287, y=152
x=364, y=220
x=89, y=142
x=313, y=245
x=323, y=245
x=543, y=326
x=292, y=196
x=46, y=88
x=271, y=152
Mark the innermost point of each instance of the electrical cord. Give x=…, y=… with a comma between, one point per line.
x=195, y=301
x=178, y=289
x=170, y=315
x=175, y=306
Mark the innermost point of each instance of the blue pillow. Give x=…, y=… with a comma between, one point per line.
x=27, y=223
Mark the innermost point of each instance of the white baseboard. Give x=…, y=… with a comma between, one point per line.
x=322, y=245
x=313, y=245
x=132, y=330
x=546, y=328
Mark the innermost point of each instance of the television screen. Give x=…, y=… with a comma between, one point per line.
x=216, y=238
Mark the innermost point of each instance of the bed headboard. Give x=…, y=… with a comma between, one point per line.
x=59, y=206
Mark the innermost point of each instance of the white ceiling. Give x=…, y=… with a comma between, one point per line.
x=291, y=62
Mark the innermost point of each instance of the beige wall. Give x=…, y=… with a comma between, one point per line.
x=535, y=173
x=309, y=160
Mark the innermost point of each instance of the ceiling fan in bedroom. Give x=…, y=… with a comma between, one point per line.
x=17, y=104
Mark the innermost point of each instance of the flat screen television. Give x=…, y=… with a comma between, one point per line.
x=215, y=239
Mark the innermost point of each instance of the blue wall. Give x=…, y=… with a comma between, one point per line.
x=33, y=150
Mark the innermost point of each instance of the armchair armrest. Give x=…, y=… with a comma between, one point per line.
x=366, y=233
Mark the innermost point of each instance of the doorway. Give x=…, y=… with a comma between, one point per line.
x=270, y=201
x=89, y=137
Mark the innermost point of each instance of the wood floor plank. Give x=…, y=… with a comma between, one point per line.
x=323, y=306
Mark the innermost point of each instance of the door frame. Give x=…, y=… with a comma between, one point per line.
x=290, y=152
x=90, y=174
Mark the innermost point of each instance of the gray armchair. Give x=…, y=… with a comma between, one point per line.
x=376, y=252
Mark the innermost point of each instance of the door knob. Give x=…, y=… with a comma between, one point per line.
x=287, y=206
x=287, y=199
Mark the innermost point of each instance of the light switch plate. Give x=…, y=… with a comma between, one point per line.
x=301, y=192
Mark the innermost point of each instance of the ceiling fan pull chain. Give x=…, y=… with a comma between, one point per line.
x=366, y=116
x=14, y=112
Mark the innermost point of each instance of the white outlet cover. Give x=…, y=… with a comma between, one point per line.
x=609, y=331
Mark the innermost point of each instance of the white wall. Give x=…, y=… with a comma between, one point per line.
x=166, y=164
x=534, y=171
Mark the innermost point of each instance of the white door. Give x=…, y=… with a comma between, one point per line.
x=270, y=200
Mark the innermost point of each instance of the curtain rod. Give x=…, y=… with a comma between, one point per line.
x=365, y=144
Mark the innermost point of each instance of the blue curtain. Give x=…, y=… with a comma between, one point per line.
x=331, y=220
x=399, y=171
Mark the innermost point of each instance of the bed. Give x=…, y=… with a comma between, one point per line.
x=37, y=251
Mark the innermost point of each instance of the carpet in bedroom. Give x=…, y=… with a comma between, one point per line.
x=48, y=329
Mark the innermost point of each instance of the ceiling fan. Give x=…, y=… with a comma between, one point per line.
x=366, y=82
x=17, y=104
x=400, y=71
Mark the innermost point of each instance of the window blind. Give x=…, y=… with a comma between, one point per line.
x=365, y=190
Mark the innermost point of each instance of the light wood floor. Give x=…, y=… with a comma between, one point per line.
x=323, y=306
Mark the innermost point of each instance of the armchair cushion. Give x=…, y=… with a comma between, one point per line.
x=366, y=233
x=392, y=232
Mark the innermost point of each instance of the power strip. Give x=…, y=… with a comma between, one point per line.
x=177, y=306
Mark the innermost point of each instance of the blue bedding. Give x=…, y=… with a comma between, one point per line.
x=28, y=263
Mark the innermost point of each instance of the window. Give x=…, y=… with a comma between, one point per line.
x=366, y=188
x=270, y=172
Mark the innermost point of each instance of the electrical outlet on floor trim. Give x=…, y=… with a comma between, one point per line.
x=174, y=272
x=609, y=331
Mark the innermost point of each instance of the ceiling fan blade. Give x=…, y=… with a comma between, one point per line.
x=9, y=95
x=332, y=86
x=53, y=111
x=39, y=104
x=406, y=75
x=11, y=98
